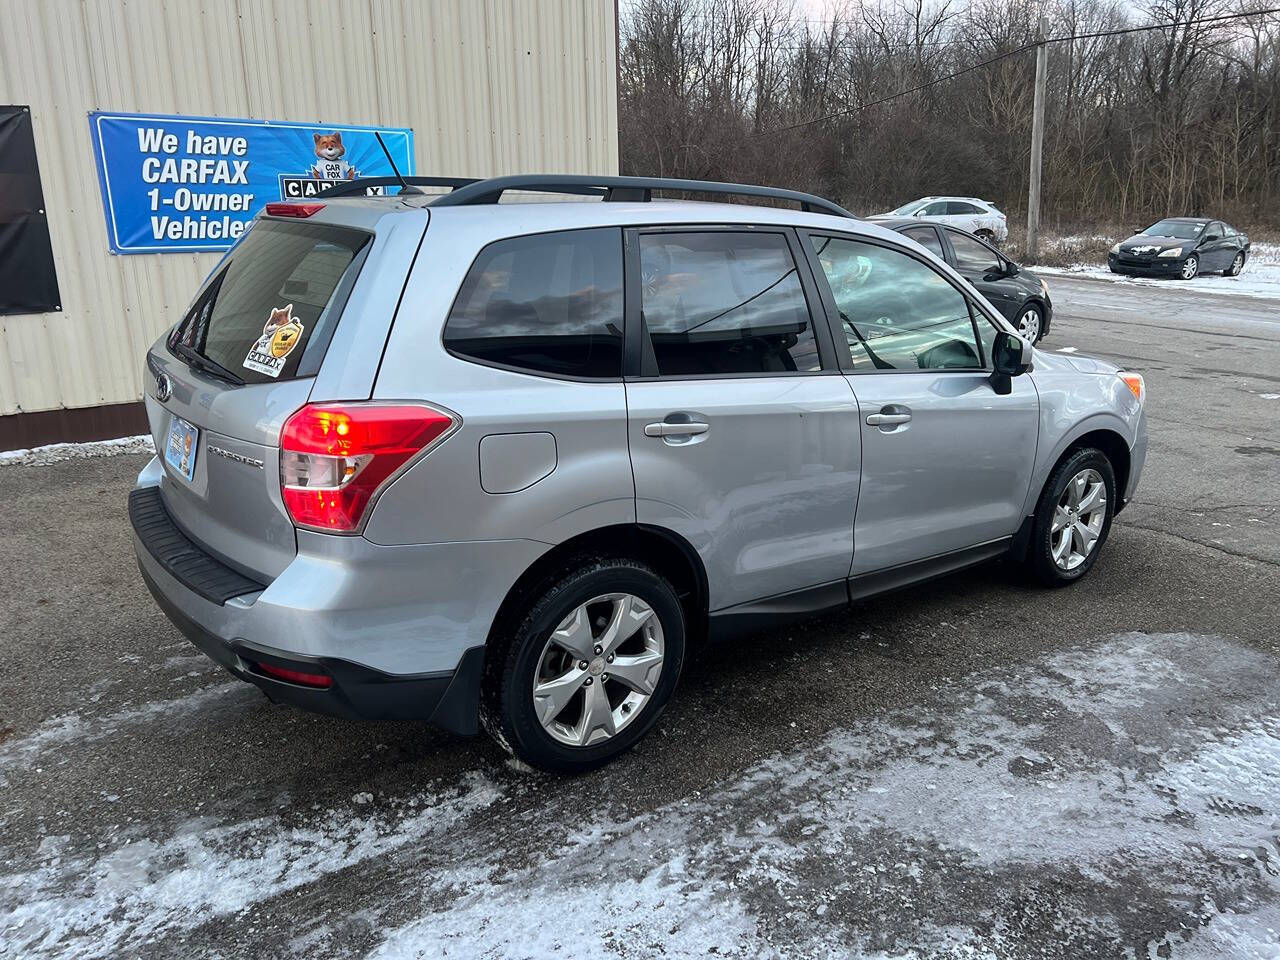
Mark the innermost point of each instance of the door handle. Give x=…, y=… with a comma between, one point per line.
x=665, y=429
x=887, y=419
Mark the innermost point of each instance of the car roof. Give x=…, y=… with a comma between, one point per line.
x=1187, y=219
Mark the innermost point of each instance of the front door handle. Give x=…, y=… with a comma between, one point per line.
x=887, y=419
x=666, y=429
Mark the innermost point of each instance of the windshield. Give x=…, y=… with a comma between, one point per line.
x=1178, y=229
x=270, y=301
x=908, y=209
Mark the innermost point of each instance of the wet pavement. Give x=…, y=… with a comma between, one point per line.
x=974, y=768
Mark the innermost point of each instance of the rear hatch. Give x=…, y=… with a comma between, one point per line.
x=225, y=379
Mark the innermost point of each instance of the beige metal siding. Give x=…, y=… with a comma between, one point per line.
x=488, y=86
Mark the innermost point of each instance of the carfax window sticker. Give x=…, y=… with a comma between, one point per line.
x=280, y=334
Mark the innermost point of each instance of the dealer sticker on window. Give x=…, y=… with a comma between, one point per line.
x=180, y=451
x=280, y=335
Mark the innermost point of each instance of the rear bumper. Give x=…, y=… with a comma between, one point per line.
x=449, y=699
x=399, y=630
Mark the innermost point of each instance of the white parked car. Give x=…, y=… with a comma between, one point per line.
x=979, y=217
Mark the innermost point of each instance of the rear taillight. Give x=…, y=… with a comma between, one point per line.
x=335, y=458
x=299, y=210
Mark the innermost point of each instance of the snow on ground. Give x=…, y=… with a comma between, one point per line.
x=1260, y=278
x=57, y=452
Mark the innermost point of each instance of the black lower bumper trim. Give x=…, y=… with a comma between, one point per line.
x=449, y=699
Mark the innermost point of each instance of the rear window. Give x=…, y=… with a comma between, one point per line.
x=548, y=304
x=270, y=310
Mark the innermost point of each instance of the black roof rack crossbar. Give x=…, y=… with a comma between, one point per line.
x=619, y=189
x=356, y=188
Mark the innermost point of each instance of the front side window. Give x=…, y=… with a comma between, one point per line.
x=897, y=313
x=723, y=303
x=972, y=255
x=927, y=237
x=936, y=209
x=550, y=303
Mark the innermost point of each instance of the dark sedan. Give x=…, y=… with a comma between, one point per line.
x=1016, y=292
x=1181, y=247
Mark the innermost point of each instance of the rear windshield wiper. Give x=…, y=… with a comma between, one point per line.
x=198, y=361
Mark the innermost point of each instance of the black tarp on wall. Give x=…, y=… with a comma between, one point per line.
x=28, y=282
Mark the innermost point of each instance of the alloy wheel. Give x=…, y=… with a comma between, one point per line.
x=1029, y=324
x=1078, y=519
x=1237, y=265
x=598, y=669
x=1190, y=268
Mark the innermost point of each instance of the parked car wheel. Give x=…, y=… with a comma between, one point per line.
x=1190, y=267
x=1236, y=266
x=1031, y=323
x=1073, y=517
x=589, y=667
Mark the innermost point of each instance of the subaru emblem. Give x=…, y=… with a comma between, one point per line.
x=164, y=387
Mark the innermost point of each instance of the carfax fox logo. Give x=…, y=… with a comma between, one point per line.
x=280, y=334
x=329, y=164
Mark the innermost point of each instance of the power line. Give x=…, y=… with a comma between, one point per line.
x=1010, y=53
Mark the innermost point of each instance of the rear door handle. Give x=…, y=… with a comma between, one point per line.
x=665, y=429
x=887, y=419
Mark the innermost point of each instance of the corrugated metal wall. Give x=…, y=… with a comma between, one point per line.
x=489, y=86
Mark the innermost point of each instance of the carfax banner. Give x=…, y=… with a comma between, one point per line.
x=182, y=184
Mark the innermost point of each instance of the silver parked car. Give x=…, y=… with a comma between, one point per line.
x=500, y=465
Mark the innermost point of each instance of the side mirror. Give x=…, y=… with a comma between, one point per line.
x=1011, y=357
x=1012, y=269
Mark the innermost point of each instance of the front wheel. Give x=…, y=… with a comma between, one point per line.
x=589, y=667
x=1073, y=518
x=1190, y=267
x=1031, y=324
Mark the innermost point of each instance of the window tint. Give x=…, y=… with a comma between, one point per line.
x=260, y=314
x=956, y=207
x=897, y=313
x=549, y=303
x=1214, y=231
x=724, y=303
x=927, y=237
x=972, y=256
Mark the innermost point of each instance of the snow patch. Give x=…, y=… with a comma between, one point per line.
x=1260, y=278
x=59, y=452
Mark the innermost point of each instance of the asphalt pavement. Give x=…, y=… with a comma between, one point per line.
x=972, y=768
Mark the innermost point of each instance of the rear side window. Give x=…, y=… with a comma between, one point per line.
x=927, y=237
x=274, y=302
x=725, y=303
x=548, y=304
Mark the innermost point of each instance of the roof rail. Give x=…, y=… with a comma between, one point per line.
x=357, y=187
x=625, y=189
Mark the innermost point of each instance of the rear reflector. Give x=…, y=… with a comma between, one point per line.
x=293, y=209
x=335, y=458
x=295, y=676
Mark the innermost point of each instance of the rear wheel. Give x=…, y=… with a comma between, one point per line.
x=1190, y=267
x=986, y=235
x=1073, y=517
x=589, y=667
x=1236, y=266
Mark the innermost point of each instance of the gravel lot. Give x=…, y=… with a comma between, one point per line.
x=971, y=769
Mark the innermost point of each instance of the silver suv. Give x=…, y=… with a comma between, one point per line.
x=501, y=465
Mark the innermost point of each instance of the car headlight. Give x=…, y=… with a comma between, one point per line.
x=1116, y=250
x=1171, y=252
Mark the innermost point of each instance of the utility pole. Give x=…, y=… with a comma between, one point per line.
x=1037, y=143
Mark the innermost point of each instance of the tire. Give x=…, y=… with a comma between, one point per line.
x=1190, y=267
x=1237, y=265
x=988, y=236
x=509, y=711
x=1030, y=323
x=1044, y=549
